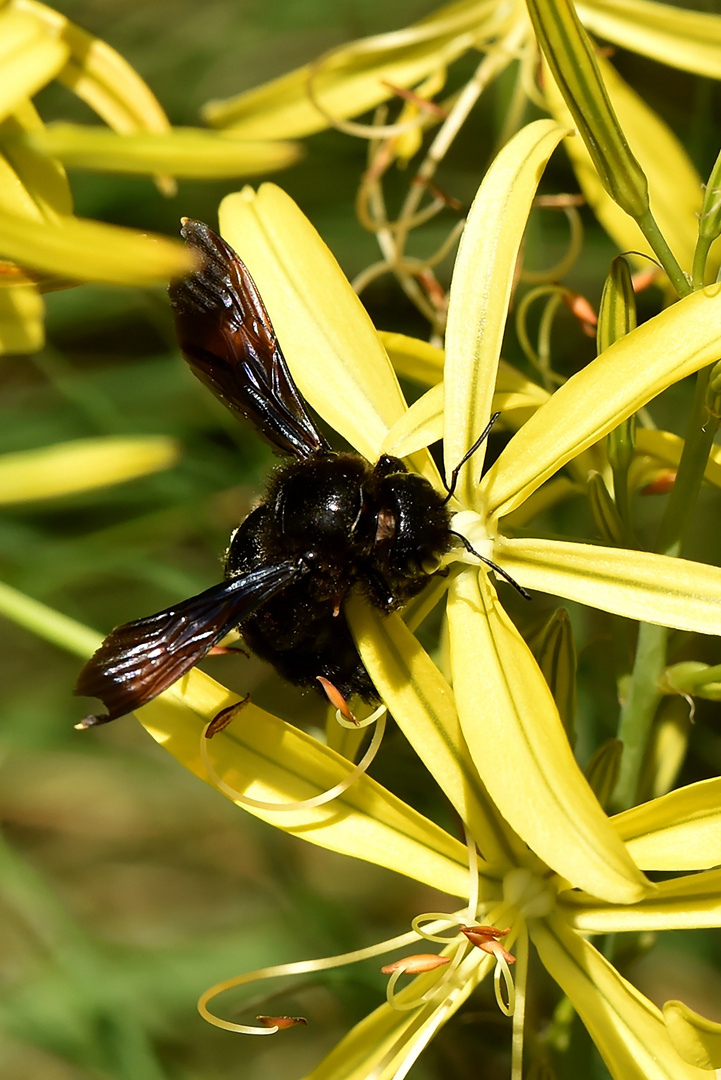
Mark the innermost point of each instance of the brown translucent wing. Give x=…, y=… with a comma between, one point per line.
x=226, y=336
x=140, y=659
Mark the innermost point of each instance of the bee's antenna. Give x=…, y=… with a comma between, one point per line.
x=450, y=488
x=494, y=566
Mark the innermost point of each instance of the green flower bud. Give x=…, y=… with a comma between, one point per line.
x=570, y=56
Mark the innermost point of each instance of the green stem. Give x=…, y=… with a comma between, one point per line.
x=639, y=709
x=700, y=257
x=647, y=224
x=622, y=500
x=47, y=623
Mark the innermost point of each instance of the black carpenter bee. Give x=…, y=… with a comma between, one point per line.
x=329, y=522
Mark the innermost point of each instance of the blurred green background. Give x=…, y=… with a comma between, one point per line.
x=126, y=885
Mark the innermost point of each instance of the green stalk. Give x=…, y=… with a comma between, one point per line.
x=647, y=223
x=48, y=624
x=639, y=709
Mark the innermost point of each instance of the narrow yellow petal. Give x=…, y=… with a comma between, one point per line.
x=384, y=1043
x=414, y=359
x=683, y=903
x=675, y=343
x=678, y=831
x=695, y=1038
x=516, y=739
x=82, y=465
x=637, y=584
x=422, y=363
x=481, y=289
x=21, y=319
x=328, y=339
x=689, y=40
x=84, y=250
x=627, y=1029
x=30, y=58
x=32, y=184
x=422, y=703
x=420, y=426
x=271, y=761
x=186, y=152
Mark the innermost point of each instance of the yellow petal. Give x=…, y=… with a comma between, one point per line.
x=355, y=78
x=637, y=584
x=678, y=831
x=673, y=344
x=330, y=343
x=420, y=426
x=414, y=359
x=271, y=761
x=29, y=58
x=424, y=422
x=21, y=319
x=186, y=152
x=386, y=1042
x=521, y=751
x=91, y=251
x=627, y=1029
x=684, y=903
x=82, y=465
x=481, y=289
x=689, y=40
x=421, y=362
x=103, y=79
x=422, y=704
x=32, y=184
x=695, y=1038
x=674, y=186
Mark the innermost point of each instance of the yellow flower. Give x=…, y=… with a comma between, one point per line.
x=550, y=865
x=493, y=739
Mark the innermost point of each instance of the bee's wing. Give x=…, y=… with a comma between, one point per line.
x=140, y=659
x=227, y=337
